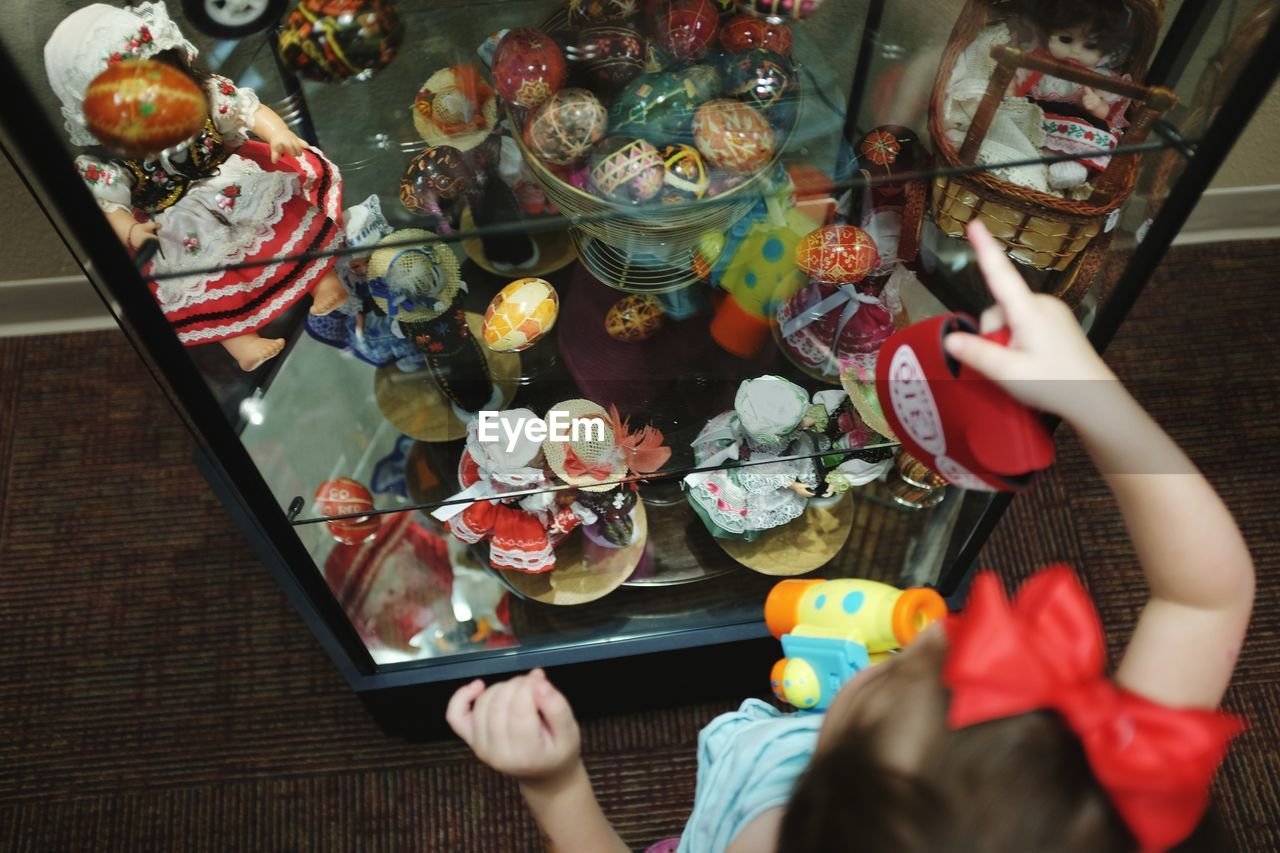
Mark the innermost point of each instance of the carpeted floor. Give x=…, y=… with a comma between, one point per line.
x=160, y=693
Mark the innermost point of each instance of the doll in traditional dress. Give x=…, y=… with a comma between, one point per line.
x=358, y=326
x=753, y=488
x=217, y=200
x=1078, y=119
x=603, y=464
x=522, y=529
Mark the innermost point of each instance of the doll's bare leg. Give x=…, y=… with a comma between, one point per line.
x=328, y=294
x=251, y=350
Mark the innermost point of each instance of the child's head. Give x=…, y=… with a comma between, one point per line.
x=889, y=774
x=1090, y=32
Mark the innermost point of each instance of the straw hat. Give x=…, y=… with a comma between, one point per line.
x=866, y=402
x=455, y=107
x=413, y=282
x=602, y=455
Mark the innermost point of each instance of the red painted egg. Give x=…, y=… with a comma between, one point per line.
x=742, y=33
x=345, y=496
x=780, y=8
x=138, y=107
x=886, y=151
x=733, y=135
x=837, y=254
x=528, y=67
x=685, y=29
x=613, y=54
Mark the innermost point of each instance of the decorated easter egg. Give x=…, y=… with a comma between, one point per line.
x=587, y=12
x=733, y=135
x=138, y=107
x=837, y=254
x=627, y=170
x=613, y=55
x=742, y=33
x=659, y=106
x=778, y=9
x=441, y=173
x=633, y=319
x=331, y=40
x=686, y=29
x=686, y=176
x=886, y=151
x=766, y=81
x=566, y=126
x=345, y=496
x=520, y=314
x=528, y=66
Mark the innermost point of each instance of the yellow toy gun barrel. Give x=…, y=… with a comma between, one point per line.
x=831, y=629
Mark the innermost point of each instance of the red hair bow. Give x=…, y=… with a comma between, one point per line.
x=1044, y=651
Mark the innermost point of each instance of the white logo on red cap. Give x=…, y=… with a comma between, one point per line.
x=913, y=402
x=955, y=473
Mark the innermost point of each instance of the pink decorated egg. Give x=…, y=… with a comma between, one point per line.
x=778, y=9
x=528, y=67
x=733, y=135
x=627, y=170
x=520, y=314
x=566, y=126
x=837, y=254
x=613, y=54
x=345, y=496
x=686, y=29
x=633, y=319
x=742, y=33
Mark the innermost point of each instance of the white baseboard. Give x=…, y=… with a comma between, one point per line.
x=56, y=305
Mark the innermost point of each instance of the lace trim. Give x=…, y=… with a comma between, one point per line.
x=531, y=562
x=258, y=318
x=742, y=520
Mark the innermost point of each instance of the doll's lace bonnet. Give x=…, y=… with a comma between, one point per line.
x=90, y=40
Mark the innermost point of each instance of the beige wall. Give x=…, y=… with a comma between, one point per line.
x=1253, y=161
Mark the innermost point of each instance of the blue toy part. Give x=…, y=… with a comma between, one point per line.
x=817, y=667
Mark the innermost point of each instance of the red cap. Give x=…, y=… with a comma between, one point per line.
x=962, y=425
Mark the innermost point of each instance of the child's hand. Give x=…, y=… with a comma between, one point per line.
x=1095, y=103
x=284, y=142
x=523, y=728
x=1047, y=345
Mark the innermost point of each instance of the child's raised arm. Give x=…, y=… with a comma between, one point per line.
x=525, y=729
x=1189, y=634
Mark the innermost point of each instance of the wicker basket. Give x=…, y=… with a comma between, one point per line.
x=1039, y=229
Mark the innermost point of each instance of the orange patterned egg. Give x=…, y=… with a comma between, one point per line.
x=633, y=319
x=345, y=496
x=520, y=314
x=733, y=136
x=138, y=107
x=837, y=254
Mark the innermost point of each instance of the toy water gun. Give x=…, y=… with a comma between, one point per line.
x=831, y=630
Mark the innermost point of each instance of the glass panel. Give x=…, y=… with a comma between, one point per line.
x=371, y=394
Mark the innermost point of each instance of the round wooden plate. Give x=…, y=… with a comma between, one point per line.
x=555, y=251
x=584, y=571
x=799, y=547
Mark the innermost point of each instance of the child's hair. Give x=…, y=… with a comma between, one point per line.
x=1007, y=786
x=1110, y=22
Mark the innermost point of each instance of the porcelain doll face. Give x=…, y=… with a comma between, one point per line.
x=1076, y=44
x=359, y=265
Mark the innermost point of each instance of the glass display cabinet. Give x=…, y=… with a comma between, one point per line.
x=625, y=211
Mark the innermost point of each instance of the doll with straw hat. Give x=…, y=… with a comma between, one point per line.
x=416, y=281
x=602, y=460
